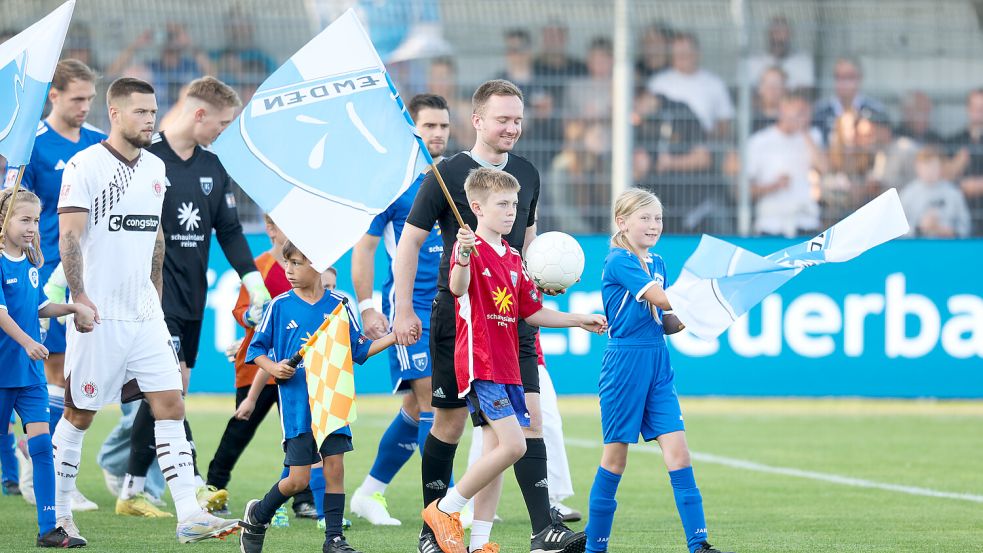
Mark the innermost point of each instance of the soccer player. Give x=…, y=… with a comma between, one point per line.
x=112, y=250
x=60, y=136
x=290, y=319
x=200, y=198
x=636, y=385
x=497, y=117
x=23, y=387
x=492, y=292
x=409, y=366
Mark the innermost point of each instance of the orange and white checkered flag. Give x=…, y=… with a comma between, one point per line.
x=330, y=379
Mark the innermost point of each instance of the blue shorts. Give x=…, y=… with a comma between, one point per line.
x=408, y=363
x=491, y=401
x=637, y=394
x=302, y=450
x=54, y=339
x=30, y=403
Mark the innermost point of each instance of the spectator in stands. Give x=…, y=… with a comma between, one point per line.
x=704, y=93
x=240, y=63
x=852, y=148
x=767, y=101
x=780, y=159
x=518, y=60
x=935, y=207
x=78, y=45
x=966, y=165
x=443, y=81
x=553, y=67
x=653, y=52
x=894, y=156
x=589, y=97
x=916, y=119
x=577, y=192
x=797, y=66
x=847, y=81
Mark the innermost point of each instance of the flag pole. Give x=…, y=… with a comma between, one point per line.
x=450, y=201
x=10, y=210
x=299, y=356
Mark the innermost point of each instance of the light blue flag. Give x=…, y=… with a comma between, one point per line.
x=325, y=144
x=720, y=282
x=27, y=62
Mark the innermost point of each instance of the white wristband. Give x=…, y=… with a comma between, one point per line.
x=365, y=304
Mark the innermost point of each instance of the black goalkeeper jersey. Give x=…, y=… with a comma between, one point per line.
x=199, y=199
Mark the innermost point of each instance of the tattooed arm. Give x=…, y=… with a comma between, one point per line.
x=157, y=264
x=71, y=225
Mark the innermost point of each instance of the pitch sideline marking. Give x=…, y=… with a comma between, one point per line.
x=797, y=473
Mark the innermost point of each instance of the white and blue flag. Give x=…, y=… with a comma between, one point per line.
x=720, y=282
x=27, y=62
x=325, y=144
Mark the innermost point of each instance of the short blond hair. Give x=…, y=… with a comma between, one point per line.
x=483, y=182
x=494, y=87
x=213, y=92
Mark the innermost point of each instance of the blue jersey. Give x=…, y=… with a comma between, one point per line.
x=286, y=326
x=630, y=317
x=389, y=225
x=21, y=297
x=43, y=177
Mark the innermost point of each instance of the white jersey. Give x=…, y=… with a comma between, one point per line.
x=124, y=201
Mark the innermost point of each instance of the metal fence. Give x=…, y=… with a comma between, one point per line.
x=747, y=117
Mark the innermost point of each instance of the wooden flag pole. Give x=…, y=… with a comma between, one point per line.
x=450, y=201
x=13, y=196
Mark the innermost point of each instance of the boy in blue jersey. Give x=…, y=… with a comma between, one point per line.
x=636, y=385
x=290, y=319
x=23, y=388
x=410, y=366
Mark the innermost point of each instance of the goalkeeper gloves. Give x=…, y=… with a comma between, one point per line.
x=57, y=291
x=259, y=296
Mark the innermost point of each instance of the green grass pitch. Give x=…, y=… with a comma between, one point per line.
x=742, y=447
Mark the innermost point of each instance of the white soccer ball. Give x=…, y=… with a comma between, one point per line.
x=554, y=261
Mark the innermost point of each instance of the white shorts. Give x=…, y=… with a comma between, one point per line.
x=98, y=363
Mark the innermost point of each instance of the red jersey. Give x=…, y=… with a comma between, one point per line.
x=500, y=292
x=540, y=358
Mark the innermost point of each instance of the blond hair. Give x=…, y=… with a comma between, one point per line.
x=213, y=92
x=629, y=202
x=482, y=182
x=494, y=87
x=34, y=254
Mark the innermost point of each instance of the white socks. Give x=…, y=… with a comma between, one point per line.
x=480, y=532
x=453, y=502
x=67, y=445
x=132, y=485
x=371, y=485
x=174, y=457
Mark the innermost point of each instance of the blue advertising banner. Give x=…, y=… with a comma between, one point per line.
x=903, y=320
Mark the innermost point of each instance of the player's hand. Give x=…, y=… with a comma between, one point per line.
x=283, y=371
x=36, y=351
x=465, y=240
x=259, y=296
x=555, y=292
x=84, y=318
x=84, y=300
x=406, y=327
x=232, y=349
x=598, y=324
x=374, y=324
x=245, y=409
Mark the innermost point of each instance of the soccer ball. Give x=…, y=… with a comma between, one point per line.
x=554, y=261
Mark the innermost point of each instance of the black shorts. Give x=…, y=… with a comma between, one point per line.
x=443, y=332
x=301, y=451
x=185, y=334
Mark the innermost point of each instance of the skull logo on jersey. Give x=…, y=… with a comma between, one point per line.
x=158, y=189
x=89, y=389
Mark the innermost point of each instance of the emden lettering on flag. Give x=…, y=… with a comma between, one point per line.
x=325, y=144
x=330, y=378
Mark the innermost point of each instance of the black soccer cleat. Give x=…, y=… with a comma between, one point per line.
x=428, y=544
x=305, y=509
x=59, y=538
x=557, y=538
x=338, y=544
x=253, y=533
x=707, y=548
x=11, y=488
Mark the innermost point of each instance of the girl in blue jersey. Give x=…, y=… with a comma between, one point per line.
x=22, y=384
x=636, y=384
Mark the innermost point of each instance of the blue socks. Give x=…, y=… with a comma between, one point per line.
x=317, y=489
x=9, y=468
x=601, y=509
x=426, y=423
x=56, y=406
x=42, y=455
x=689, y=503
x=395, y=448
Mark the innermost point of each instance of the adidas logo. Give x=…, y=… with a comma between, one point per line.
x=436, y=485
x=543, y=483
x=409, y=446
x=439, y=392
x=486, y=272
x=292, y=324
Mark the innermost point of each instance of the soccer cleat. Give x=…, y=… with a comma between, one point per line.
x=280, y=518
x=113, y=483
x=26, y=483
x=253, y=533
x=490, y=547
x=305, y=509
x=557, y=538
x=82, y=503
x=567, y=514
x=60, y=539
x=203, y=526
x=211, y=498
x=11, y=488
x=68, y=525
x=707, y=548
x=140, y=506
x=373, y=508
x=346, y=524
x=447, y=529
x=338, y=544
x=428, y=543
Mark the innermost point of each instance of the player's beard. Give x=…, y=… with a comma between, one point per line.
x=137, y=139
x=72, y=121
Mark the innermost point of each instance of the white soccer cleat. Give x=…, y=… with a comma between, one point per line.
x=82, y=503
x=203, y=526
x=373, y=508
x=26, y=477
x=68, y=525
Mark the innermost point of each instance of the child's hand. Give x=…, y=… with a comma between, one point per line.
x=245, y=409
x=84, y=317
x=282, y=371
x=598, y=324
x=465, y=240
x=36, y=351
